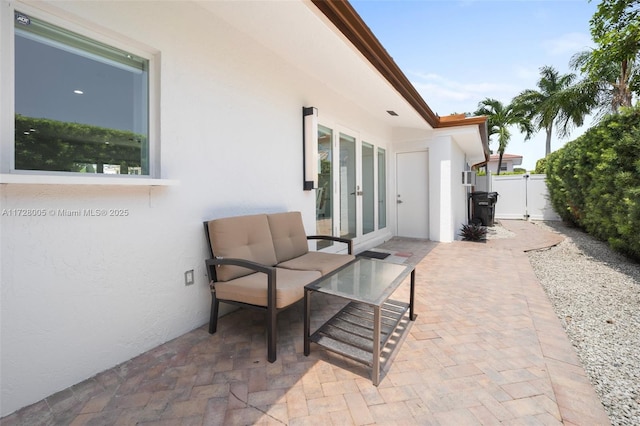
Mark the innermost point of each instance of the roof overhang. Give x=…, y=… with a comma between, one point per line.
x=347, y=20
x=476, y=127
x=298, y=34
x=466, y=136
x=328, y=40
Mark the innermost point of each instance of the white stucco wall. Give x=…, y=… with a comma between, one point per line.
x=493, y=165
x=82, y=294
x=459, y=192
x=448, y=202
x=439, y=188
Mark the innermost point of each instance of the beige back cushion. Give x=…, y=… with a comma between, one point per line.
x=289, y=237
x=244, y=237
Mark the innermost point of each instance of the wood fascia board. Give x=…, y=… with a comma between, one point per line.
x=444, y=122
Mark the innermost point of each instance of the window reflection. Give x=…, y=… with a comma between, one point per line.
x=324, y=193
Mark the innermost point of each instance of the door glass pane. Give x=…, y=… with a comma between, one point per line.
x=382, y=189
x=368, y=189
x=347, y=186
x=324, y=193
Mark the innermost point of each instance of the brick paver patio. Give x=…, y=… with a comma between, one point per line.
x=486, y=348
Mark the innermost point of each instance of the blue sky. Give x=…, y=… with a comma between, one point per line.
x=457, y=53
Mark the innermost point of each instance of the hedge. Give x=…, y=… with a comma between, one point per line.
x=43, y=144
x=594, y=181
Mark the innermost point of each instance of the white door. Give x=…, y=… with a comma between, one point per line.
x=349, y=184
x=412, y=194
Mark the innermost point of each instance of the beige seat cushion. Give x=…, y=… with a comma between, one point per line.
x=243, y=237
x=318, y=261
x=252, y=288
x=289, y=237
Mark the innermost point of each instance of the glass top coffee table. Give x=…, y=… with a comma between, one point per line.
x=370, y=326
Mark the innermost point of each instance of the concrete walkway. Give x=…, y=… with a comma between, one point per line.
x=486, y=348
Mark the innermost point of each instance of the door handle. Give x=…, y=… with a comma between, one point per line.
x=400, y=201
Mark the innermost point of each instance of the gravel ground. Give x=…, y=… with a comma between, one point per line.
x=596, y=294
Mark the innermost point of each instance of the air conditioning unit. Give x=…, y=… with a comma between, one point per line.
x=469, y=178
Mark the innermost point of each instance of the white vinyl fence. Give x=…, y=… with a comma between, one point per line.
x=522, y=197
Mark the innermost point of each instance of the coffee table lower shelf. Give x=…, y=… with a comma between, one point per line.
x=351, y=332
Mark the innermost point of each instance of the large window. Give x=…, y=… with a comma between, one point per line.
x=80, y=105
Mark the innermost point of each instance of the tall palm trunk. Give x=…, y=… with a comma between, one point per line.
x=501, y=152
x=548, y=145
x=622, y=92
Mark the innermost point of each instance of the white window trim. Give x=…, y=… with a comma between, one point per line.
x=62, y=178
x=8, y=173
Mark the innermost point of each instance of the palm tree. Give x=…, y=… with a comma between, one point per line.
x=499, y=118
x=611, y=82
x=558, y=102
x=613, y=66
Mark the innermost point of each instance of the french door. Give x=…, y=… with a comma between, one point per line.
x=348, y=183
x=351, y=194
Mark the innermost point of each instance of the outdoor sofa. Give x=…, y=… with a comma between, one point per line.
x=263, y=262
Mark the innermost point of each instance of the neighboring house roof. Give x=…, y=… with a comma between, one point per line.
x=515, y=159
x=347, y=20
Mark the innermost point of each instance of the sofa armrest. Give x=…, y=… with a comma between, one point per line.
x=347, y=241
x=255, y=266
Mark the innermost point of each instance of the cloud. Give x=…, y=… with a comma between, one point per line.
x=527, y=75
x=456, y=89
x=456, y=96
x=569, y=43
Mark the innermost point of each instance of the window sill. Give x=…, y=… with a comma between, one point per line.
x=38, y=179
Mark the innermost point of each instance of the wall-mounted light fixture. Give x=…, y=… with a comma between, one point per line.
x=310, y=147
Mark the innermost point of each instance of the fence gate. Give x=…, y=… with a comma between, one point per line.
x=522, y=197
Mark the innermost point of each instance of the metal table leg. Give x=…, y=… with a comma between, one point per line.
x=412, y=316
x=307, y=322
x=377, y=322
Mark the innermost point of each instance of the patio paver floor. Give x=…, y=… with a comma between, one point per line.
x=486, y=348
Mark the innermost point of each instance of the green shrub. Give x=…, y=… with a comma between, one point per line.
x=473, y=232
x=541, y=165
x=594, y=181
x=516, y=171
